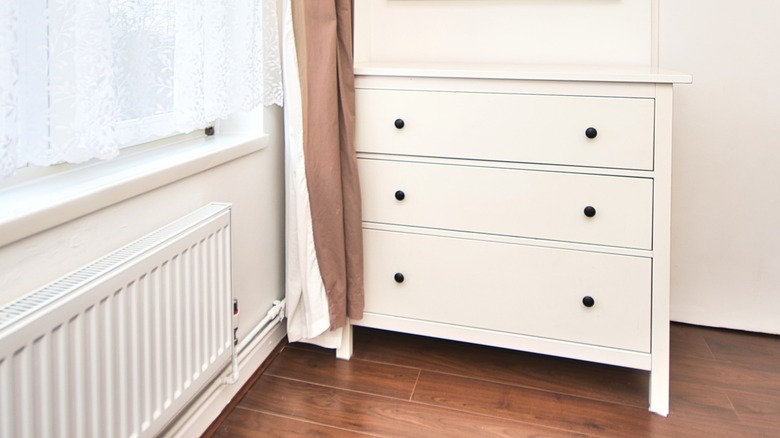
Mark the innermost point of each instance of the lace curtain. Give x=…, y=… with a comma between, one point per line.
x=80, y=78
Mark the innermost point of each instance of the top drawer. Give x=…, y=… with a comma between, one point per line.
x=508, y=127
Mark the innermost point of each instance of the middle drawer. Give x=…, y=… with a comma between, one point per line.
x=593, y=209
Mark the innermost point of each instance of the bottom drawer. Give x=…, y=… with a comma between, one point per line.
x=510, y=288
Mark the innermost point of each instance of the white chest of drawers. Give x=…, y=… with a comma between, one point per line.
x=525, y=210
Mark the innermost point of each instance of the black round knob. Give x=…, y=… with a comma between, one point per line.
x=591, y=132
x=399, y=123
x=400, y=195
x=588, y=301
x=398, y=277
x=589, y=211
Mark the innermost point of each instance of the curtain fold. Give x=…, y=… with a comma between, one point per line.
x=327, y=251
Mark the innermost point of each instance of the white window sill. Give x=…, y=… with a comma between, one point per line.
x=31, y=207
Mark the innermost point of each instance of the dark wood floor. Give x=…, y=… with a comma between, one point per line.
x=724, y=384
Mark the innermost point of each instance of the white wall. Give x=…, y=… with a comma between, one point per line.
x=726, y=185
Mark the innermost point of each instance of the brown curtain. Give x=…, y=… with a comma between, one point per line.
x=323, y=32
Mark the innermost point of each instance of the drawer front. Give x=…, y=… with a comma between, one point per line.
x=510, y=288
x=521, y=203
x=508, y=127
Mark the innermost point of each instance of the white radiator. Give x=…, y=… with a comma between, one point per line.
x=119, y=347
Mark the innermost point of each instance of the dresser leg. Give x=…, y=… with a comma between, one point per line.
x=345, y=351
x=659, y=371
x=659, y=393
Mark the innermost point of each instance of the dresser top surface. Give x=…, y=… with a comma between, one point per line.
x=581, y=73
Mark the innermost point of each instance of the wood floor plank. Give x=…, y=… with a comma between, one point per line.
x=688, y=340
x=322, y=368
x=682, y=425
x=750, y=349
x=575, y=414
x=757, y=409
x=597, y=381
x=245, y=423
x=530, y=405
x=700, y=400
x=724, y=375
x=381, y=416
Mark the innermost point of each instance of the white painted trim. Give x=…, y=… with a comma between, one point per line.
x=528, y=72
x=43, y=203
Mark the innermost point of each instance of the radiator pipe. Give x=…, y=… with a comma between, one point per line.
x=271, y=319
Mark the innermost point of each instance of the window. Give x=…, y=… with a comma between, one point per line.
x=85, y=77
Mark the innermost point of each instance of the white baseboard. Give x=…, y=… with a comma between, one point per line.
x=212, y=401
